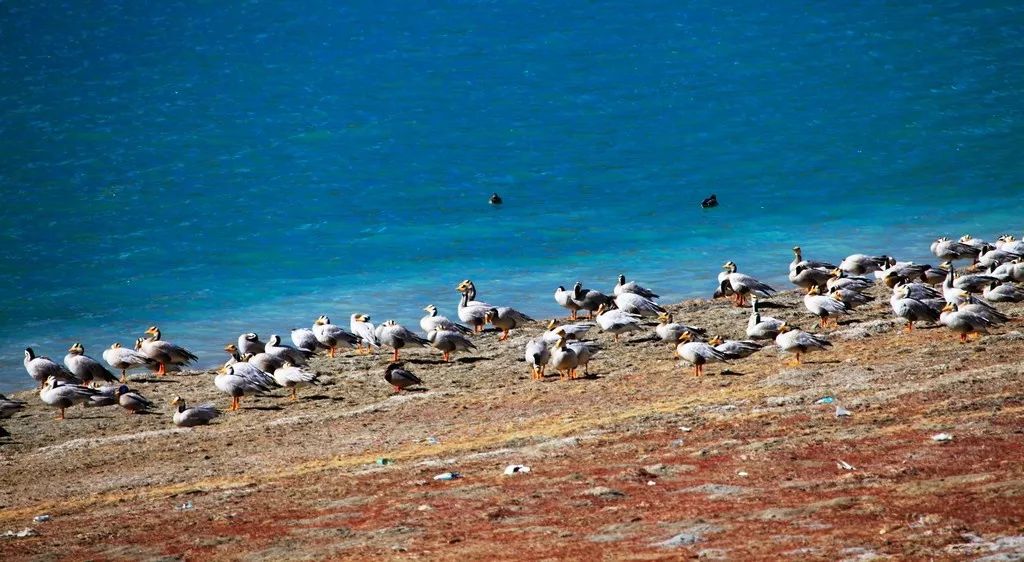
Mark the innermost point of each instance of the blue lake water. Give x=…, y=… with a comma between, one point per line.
x=216, y=168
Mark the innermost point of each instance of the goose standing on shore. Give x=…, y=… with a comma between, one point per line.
x=632, y=287
x=42, y=368
x=564, y=299
x=250, y=343
x=735, y=349
x=126, y=359
x=360, y=325
x=861, y=264
x=964, y=322
x=585, y=351
x=165, y=352
x=571, y=331
x=616, y=321
x=911, y=309
x=824, y=307
x=563, y=359
x=305, y=340
x=589, y=299
x=194, y=416
x=806, y=273
x=434, y=322
x=506, y=319
x=761, y=327
x=400, y=378
x=742, y=285
x=448, y=342
x=242, y=379
x=698, y=353
x=840, y=280
x=397, y=336
x=795, y=340
x=291, y=377
x=537, y=355
x=285, y=352
x=470, y=310
x=948, y=250
x=633, y=303
x=62, y=395
x=332, y=336
x=669, y=331
x=86, y=368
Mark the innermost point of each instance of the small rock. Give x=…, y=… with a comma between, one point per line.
x=842, y=412
x=41, y=518
x=602, y=492
x=942, y=437
x=424, y=507
x=516, y=469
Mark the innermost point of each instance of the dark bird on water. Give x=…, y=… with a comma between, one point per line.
x=495, y=199
x=709, y=202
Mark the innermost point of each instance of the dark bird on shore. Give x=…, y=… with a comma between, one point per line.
x=399, y=378
x=710, y=201
x=495, y=199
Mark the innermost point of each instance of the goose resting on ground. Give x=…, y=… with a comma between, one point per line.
x=191, y=417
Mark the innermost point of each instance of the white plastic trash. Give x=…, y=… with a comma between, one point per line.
x=516, y=469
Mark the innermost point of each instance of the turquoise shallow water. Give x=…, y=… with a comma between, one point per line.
x=217, y=169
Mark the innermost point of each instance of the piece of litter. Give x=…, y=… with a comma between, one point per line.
x=41, y=518
x=842, y=412
x=742, y=474
x=26, y=532
x=433, y=440
x=383, y=461
x=424, y=507
x=942, y=437
x=825, y=400
x=516, y=469
x=186, y=506
x=448, y=476
x=677, y=442
x=685, y=429
x=651, y=482
x=844, y=465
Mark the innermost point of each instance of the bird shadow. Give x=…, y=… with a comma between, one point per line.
x=274, y=408
x=470, y=360
x=731, y=373
x=154, y=381
x=317, y=397
x=762, y=304
x=426, y=361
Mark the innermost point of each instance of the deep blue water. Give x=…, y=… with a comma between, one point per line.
x=216, y=168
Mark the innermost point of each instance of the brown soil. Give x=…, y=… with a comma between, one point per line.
x=642, y=461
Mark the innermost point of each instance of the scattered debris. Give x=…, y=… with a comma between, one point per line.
x=424, y=507
x=41, y=518
x=685, y=429
x=844, y=465
x=942, y=437
x=433, y=440
x=825, y=400
x=677, y=442
x=742, y=474
x=842, y=412
x=384, y=461
x=448, y=476
x=651, y=482
x=186, y=506
x=516, y=469
x=602, y=492
x=26, y=532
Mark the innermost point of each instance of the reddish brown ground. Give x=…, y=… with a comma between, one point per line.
x=614, y=473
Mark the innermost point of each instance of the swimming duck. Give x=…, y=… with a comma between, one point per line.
x=434, y=322
x=795, y=340
x=948, y=250
x=400, y=378
x=616, y=321
x=537, y=355
x=359, y=324
x=250, y=343
x=1006, y=292
x=911, y=309
x=164, y=352
x=126, y=359
x=241, y=379
x=709, y=202
x=963, y=322
x=332, y=336
x=860, y=264
x=194, y=416
x=304, y=339
x=824, y=307
x=698, y=353
x=505, y=319
x=63, y=395
x=291, y=377
x=9, y=406
x=761, y=327
x=42, y=368
x=743, y=285
x=397, y=336
x=564, y=299
x=132, y=402
x=563, y=359
x=285, y=352
x=470, y=310
x=632, y=287
x=669, y=331
x=571, y=331
x=633, y=303
x=589, y=299
x=86, y=368
x=448, y=342
x=735, y=349
x=495, y=199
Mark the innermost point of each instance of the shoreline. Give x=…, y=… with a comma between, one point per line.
x=289, y=480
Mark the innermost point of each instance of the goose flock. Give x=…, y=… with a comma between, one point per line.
x=964, y=301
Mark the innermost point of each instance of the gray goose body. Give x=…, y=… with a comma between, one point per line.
x=564, y=299
x=286, y=352
x=589, y=299
x=741, y=285
x=400, y=378
x=948, y=250
x=571, y=331
x=632, y=287
x=537, y=355
x=736, y=349
x=359, y=324
x=126, y=359
x=633, y=303
x=333, y=336
x=911, y=309
x=1006, y=292
x=860, y=264
x=164, y=352
x=698, y=354
x=250, y=343
x=86, y=368
x=669, y=331
x=448, y=342
x=616, y=321
x=132, y=401
x=9, y=407
x=194, y=416
x=397, y=336
x=964, y=322
x=242, y=379
x=824, y=307
x=761, y=327
x=506, y=319
x=799, y=342
x=432, y=321
x=304, y=339
x=292, y=378
x=61, y=395
x=42, y=368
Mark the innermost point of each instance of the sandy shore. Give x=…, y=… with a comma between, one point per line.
x=643, y=461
